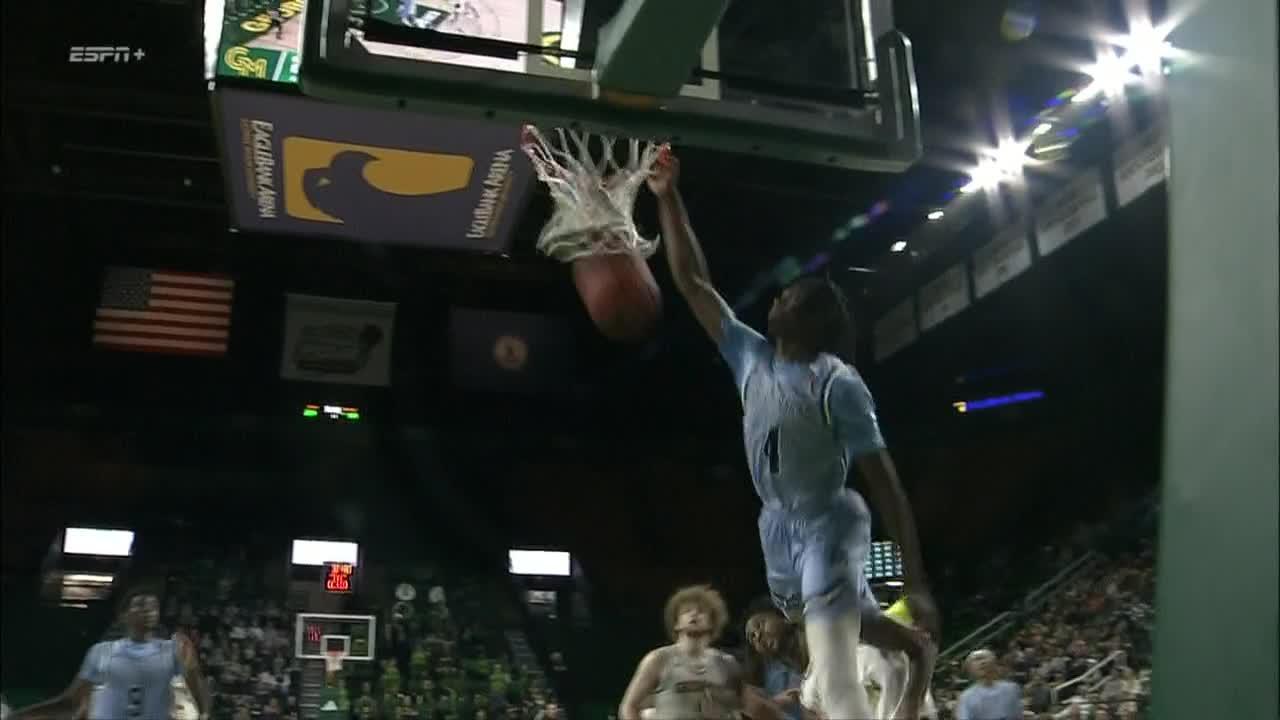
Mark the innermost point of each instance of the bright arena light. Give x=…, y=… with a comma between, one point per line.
x=898, y=246
x=1110, y=75
x=1147, y=47
x=1002, y=165
x=936, y=215
x=1041, y=129
x=1139, y=55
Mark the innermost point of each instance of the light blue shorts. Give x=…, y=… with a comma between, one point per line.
x=815, y=560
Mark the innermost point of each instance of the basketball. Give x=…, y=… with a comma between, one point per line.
x=620, y=294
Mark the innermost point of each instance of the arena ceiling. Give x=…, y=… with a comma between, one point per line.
x=135, y=149
x=102, y=169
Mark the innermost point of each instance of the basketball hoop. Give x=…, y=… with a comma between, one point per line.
x=333, y=661
x=594, y=198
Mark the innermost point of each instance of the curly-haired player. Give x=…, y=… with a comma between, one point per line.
x=689, y=679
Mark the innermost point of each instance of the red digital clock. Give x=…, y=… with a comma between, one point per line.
x=339, y=577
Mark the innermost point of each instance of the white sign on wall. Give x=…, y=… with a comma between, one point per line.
x=895, y=330
x=1141, y=163
x=1007, y=256
x=944, y=296
x=1070, y=212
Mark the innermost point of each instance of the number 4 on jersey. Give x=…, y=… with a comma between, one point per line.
x=771, y=450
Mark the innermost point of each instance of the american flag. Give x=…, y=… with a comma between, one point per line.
x=162, y=311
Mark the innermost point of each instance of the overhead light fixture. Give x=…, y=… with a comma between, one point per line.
x=1142, y=53
x=898, y=246
x=1002, y=165
x=1146, y=47
x=1110, y=74
x=1041, y=129
x=935, y=215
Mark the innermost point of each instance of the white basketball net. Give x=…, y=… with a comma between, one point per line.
x=594, y=198
x=333, y=662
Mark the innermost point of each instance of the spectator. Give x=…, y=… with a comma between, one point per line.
x=989, y=698
x=1039, y=697
x=365, y=706
x=550, y=711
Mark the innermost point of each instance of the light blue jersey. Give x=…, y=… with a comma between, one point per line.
x=135, y=678
x=779, y=678
x=1001, y=700
x=803, y=424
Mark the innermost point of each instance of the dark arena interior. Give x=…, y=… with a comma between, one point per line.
x=371, y=471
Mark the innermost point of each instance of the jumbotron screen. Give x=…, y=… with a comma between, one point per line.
x=885, y=561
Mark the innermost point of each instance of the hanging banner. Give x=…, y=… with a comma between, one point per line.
x=1007, y=256
x=944, y=297
x=497, y=351
x=332, y=340
x=1070, y=212
x=300, y=166
x=1141, y=163
x=895, y=330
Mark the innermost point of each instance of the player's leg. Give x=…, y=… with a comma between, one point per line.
x=869, y=671
x=832, y=625
x=781, y=572
x=878, y=670
x=910, y=683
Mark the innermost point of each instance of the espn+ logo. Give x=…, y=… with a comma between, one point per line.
x=98, y=54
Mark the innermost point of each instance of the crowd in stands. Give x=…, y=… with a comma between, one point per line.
x=1096, y=631
x=444, y=657
x=244, y=637
x=976, y=594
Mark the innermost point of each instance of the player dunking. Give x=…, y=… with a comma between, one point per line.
x=135, y=673
x=689, y=679
x=808, y=417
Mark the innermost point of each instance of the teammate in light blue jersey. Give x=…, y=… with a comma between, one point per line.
x=808, y=417
x=776, y=660
x=134, y=674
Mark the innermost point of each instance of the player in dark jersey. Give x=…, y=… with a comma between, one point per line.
x=277, y=21
x=808, y=419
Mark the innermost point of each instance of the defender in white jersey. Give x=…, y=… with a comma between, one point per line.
x=133, y=675
x=890, y=672
x=808, y=418
x=689, y=679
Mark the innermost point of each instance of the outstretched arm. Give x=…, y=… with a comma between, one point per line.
x=851, y=410
x=739, y=344
x=684, y=253
x=68, y=703
x=190, y=667
x=643, y=684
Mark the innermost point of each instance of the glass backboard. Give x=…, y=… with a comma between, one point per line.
x=319, y=633
x=826, y=83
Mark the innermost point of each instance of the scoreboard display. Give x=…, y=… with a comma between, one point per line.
x=339, y=577
x=884, y=562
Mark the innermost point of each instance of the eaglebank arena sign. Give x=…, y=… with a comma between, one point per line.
x=302, y=167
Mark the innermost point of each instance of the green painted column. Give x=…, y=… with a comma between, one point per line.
x=651, y=46
x=1216, y=603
